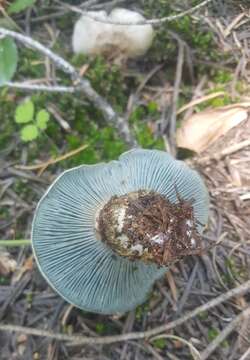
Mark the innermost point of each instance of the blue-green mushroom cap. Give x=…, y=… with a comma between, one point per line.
x=83, y=269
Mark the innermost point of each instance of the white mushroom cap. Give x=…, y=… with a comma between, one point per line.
x=139, y=37
x=89, y=35
x=92, y=37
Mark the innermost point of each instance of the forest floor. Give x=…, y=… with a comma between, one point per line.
x=209, y=50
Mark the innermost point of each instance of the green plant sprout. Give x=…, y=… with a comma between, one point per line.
x=25, y=114
x=15, y=243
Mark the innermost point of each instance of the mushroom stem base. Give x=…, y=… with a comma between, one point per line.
x=145, y=225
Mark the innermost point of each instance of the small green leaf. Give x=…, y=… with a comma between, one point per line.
x=8, y=59
x=42, y=118
x=20, y=5
x=24, y=112
x=29, y=133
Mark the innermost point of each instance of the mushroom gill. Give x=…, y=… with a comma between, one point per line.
x=103, y=234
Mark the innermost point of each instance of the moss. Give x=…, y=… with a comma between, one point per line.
x=142, y=120
x=238, y=272
x=242, y=87
x=30, y=64
x=160, y=343
x=103, y=145
x=4, y=280
x=152, y=108
x=222, y=77
x=141, y=310
x=100, y=328
x=220, y=101
x=7, y=126
x=4, y=212
x=19, y=187
x=29, y=297
x=216, y=102
x=107, y=328
x=87, y=123
x=203, y=315
x=106, y=78
x=193, y=33
x=139, y=313
x=213, y=333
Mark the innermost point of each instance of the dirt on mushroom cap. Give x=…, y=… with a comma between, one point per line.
x=152, y=229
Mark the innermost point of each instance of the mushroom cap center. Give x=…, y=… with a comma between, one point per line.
x=145, y=225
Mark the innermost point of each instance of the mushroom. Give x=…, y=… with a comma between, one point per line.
x=93, y=37
x=102, y=234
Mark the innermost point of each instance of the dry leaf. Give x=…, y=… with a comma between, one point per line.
x=27, y=266
x=200, y=130
x=225, y=166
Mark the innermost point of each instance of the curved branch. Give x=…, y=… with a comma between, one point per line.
x=224, y=334
x=83, y=340
x=40, y=87
x=141, y=22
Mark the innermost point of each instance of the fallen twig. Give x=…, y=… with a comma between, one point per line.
x=186, y=292
x=177, y=83
x=41, y=87
x=45, y=164
x=82, y=85
x=194, y=352
x=59, y=117
x=82, y=340
x=224, y=333
x=141, y=22
x=245, y=356
x=225, y=152
x=200, y=100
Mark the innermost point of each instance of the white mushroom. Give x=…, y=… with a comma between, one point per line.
x=93, y=37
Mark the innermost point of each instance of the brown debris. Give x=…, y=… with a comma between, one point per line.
x=154, y=229
x=228, y=179
x=244, y=335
